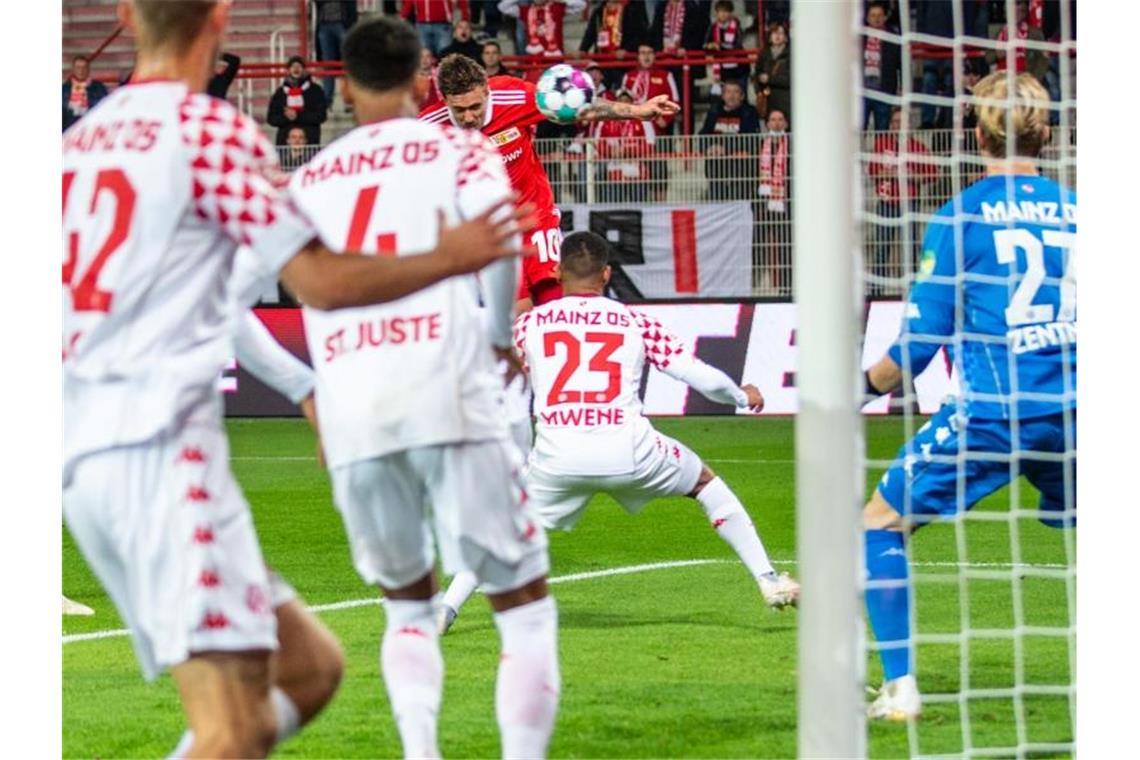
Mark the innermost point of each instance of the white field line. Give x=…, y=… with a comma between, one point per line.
x=574, y=577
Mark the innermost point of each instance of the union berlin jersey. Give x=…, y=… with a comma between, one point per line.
x=585, y=356
x=511, y=117
x=160, y=186
x=417, y=371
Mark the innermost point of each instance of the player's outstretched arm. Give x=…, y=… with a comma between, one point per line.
x=612, y=110
x=324, y=280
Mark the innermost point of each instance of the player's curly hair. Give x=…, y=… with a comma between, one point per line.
x=459, y=75
x=1025, y=111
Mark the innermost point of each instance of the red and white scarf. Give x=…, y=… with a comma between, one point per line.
x=725, y=36
x=674, y=25
x=609, y=35
x=77, y=101
x=774, y=172
x=295, y=95
x=1019, y=52
x=544, y=29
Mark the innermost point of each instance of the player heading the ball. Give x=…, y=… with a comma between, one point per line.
x=1014, y=341
x=506, y=110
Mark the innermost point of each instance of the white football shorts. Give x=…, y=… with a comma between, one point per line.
x=664, y=467
x=471, y=493
x=167, y=531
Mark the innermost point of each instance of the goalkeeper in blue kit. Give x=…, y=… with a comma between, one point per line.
x=997, y=286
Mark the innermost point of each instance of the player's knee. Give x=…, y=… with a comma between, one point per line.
x=327, y=668
x=707, y=476
x=878, y=514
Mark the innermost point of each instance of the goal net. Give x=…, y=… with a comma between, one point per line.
x=992, y=579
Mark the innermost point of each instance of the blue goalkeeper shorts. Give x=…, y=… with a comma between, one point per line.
x=923, y=481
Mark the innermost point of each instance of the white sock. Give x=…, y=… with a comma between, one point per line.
x=462, y=586
x=526, y=693
x=732, y=523
x=412, y=666
x=287, y=715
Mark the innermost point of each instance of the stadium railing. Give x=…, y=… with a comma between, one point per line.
x=697, y=170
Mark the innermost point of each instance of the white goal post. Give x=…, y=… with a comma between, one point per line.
x=829, y=434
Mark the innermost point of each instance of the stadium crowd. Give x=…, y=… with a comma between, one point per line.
x=738, y=125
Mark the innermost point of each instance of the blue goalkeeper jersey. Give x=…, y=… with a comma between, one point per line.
x=997, y=286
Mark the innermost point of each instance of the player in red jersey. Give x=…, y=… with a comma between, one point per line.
x=504, y=109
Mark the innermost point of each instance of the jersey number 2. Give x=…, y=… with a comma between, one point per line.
x=85, y=294
x=600, y=362
x=1022, y=310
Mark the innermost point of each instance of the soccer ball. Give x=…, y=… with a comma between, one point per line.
x=563, y=92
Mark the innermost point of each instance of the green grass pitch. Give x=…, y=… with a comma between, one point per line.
x=682, y=661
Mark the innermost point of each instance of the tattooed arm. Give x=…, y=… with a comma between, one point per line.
x=612, y=110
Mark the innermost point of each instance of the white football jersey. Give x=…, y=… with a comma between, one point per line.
x=160, y=186
x=585, y=356
x=418, y=371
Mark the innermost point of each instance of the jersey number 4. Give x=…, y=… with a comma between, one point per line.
x=1022, y=310
x=600, y=362
x=85, y=292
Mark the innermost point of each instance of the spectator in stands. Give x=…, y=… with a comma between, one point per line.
x=334, y=19
x=773, y=241
x=891, y=177
x=429, y=79
x=298, y=103
x=882, y=64
x=542, y=23
x=488, y=12
x=648, y=81
x=678, y=27
x=294, y=154
x=936, y=18
x=462, y=43
x=617, y=27
x=598, y=77
x=625, y=148
x=224, y=74
x=433, y=19
x=81, y=93
x=492, y=59
x=727, y=151
x=774, y=74
x=726, y=35
x=974, y=70
x=1033, y=61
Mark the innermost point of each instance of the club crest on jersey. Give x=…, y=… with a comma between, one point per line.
x=507, y=135
x=926, y=263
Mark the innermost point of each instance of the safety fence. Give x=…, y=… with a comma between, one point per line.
x=710, y=216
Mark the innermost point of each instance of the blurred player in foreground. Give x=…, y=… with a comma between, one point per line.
x=1016, y=350
x=161, y=183
x=584, y=354
x=409, y=400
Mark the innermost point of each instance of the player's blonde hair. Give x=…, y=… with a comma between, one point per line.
x=1030, y=114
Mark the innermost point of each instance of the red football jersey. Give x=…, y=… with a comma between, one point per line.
x=512, y=115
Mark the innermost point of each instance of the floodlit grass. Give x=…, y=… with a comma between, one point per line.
x=682, y=661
